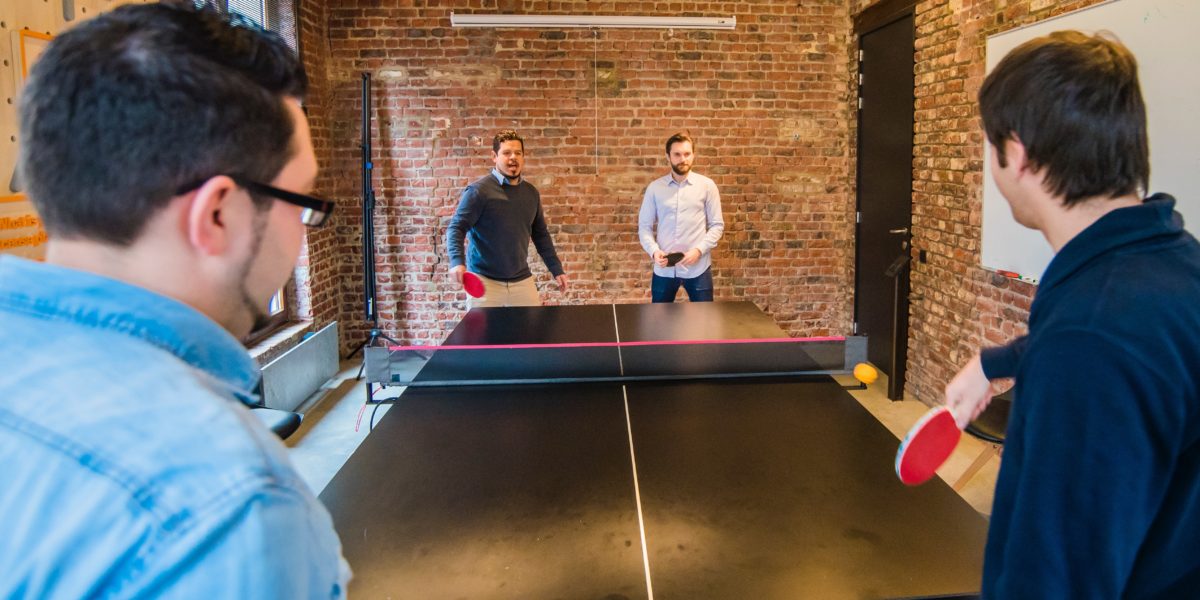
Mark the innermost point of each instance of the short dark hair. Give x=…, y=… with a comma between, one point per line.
x=1074, y=102
x=506, y=135
x=124, y=110
x=679, y=137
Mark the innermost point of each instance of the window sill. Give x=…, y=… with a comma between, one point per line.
x=279, y=342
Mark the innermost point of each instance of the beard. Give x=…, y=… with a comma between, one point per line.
x=258, y=315
x=681, y=169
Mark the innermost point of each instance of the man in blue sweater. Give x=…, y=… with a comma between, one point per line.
x=1099, y=491
x=499, y=214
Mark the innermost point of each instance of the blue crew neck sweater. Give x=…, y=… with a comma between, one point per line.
x=499, y=221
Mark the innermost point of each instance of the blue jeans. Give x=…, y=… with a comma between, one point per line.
x=699, y=288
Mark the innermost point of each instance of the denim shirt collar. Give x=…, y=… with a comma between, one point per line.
x=58, y=293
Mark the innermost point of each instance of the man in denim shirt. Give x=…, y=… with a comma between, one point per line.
x=167, y=154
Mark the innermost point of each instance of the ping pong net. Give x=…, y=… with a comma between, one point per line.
x=516, y=364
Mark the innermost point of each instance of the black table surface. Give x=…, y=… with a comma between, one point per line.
x=748, y=488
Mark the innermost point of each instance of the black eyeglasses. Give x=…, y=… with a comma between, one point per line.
x=316, y=211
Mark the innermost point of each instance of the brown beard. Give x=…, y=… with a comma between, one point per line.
x=258, y=315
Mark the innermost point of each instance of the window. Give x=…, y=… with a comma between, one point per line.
x=275, y=15
x=254, y=9
x=277, y=317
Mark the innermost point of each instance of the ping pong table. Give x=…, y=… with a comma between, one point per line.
x=763, y=487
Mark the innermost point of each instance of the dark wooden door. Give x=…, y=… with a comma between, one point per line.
x=885, y=152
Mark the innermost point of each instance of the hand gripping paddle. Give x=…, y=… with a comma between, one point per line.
x=472, y=284
x=928, y=444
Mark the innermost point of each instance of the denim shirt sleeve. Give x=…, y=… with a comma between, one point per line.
x=129, y=464
x=272, y=544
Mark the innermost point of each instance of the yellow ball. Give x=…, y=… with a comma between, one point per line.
x=865, y=373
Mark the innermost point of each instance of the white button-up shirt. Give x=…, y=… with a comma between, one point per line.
x=687, y=215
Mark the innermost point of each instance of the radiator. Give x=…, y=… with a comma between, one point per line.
x=290, y=379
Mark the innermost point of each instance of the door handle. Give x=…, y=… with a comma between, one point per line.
x=901, y=230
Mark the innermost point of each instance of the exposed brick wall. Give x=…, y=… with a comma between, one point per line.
x=957, y=306
x=767, y=103
x=770, y=105
x=319, y=292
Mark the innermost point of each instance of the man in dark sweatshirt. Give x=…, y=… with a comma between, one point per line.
x=499, y=214
x=1099, y=490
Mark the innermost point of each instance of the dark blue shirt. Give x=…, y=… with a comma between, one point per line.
x=1099, y=490
x=499, y=220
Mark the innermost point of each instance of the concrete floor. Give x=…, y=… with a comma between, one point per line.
x=335, y=423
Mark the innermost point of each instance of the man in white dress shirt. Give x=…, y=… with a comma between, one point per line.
x=679, y=225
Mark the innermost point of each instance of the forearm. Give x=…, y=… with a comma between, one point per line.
x=648, y=241
x=711, y=237
x=647, y=217
x=463, y=220
x=455, y=245
x=1002, y=361
x=549, y=256
x=714, y=221
x=545, y=244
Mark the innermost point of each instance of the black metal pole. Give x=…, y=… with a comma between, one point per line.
x=368, y=229
x=896, y=370
x=368, y=206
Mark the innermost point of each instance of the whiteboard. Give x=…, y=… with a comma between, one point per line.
x=1164, y=36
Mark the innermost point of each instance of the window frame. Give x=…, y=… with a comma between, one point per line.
x=276, y=320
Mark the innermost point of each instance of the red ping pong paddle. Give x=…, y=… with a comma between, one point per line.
x=927, y=446
x=472, y=284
